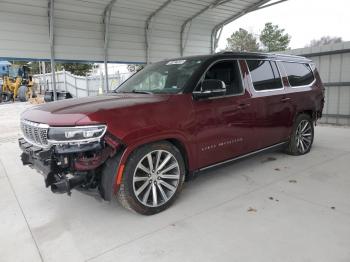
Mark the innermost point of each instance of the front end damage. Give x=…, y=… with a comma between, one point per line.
x=68, y=166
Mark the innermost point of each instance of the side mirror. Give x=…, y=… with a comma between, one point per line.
x=211, y=88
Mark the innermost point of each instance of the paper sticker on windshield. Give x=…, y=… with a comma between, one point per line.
x=176, y=62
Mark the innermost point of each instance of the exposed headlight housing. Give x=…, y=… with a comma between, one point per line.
x=75, y=135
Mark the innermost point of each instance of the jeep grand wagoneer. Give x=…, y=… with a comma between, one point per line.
x=170, y=121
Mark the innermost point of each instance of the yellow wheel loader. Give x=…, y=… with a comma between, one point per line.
x=17, y=85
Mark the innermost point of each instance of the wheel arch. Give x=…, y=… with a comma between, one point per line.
x=177, y=141
x=309, y=112
x=182, y=148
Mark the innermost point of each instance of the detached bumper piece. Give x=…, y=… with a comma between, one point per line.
x=55, y=168
x=37, y=158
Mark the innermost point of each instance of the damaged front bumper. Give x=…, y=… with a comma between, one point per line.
x=65, y=167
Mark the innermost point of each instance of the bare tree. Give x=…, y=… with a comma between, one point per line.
x=325, y=40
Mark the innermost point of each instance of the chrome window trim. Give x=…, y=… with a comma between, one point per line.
x=267, y=90
x=223, y=96
x=297, y=87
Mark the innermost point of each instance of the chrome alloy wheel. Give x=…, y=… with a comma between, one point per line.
x=156, y=178
x=304, y=136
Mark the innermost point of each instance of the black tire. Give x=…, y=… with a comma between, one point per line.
x=22, y=93
x=298, y=145
x=126, y=193
x=6, y=97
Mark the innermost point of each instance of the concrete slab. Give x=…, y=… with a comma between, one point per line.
x=287, y=230
x=290, y=219
x=16, y=242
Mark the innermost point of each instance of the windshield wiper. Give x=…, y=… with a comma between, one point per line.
x=135, y=92
x=141, y=92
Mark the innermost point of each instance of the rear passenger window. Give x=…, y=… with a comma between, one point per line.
x=265, y=75
x=298, y=74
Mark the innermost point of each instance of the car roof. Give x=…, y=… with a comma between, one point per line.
x=249, y=55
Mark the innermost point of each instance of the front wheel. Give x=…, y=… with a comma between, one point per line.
x=153, y=178
x=302, y=137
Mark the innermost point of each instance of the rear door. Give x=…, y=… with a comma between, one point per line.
x=224, y=123
x=269, y=97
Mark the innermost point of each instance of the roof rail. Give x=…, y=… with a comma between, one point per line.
x=263, y=54
x=288, y=55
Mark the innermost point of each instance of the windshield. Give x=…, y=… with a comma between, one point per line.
x=163, y=77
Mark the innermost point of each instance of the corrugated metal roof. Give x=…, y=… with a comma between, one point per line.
x=79, y=28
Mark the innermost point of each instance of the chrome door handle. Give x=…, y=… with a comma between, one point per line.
x=286, y=99
x=242, y=106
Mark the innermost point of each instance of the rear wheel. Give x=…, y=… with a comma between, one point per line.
x=153, y=177
x=302, y=137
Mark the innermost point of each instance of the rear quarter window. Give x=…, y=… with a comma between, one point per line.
x=298, y=74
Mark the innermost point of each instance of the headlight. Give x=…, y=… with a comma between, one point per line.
x=75, y=135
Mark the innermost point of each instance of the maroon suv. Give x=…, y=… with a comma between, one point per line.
x=170, y=121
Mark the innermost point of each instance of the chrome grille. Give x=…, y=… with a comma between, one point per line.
x=35, y=133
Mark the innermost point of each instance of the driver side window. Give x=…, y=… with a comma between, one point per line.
x=228, y=72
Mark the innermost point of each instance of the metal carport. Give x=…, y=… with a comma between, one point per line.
x=124, y=31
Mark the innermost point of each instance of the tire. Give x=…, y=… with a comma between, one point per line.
x=147, y=191
x=22, y=94
x=302, y=137
x=6, y=97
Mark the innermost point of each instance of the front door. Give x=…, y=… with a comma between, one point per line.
x=224, y=123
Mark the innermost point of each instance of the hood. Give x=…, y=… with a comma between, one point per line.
x=70, y=111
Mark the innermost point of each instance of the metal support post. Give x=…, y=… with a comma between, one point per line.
x=52, y=48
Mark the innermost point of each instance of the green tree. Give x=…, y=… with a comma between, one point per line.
x=242, y=40
x=325, y=40
x=80, y=69
x=135, y=67
x=33, y=66
x=274, y=39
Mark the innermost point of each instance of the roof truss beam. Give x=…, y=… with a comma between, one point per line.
x=148, y=28
x=107, y=21
x=187, y=24
x=52, y=46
